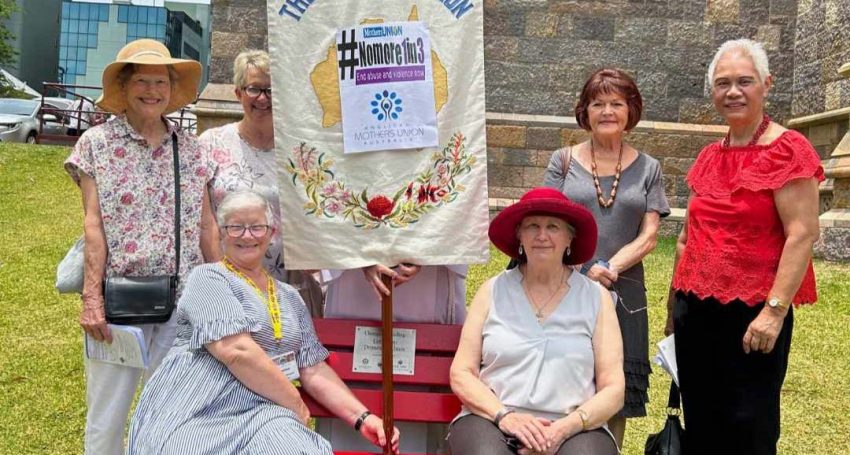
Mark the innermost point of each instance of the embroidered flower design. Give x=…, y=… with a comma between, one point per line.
x=329, y=196
x=379, y=206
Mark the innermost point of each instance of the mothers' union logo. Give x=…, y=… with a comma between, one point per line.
x=386, y=105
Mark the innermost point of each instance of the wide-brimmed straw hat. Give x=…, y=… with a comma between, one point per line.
x=547, y=202
x=149, y=52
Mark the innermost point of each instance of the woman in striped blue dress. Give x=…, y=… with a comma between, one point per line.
x=242, y=339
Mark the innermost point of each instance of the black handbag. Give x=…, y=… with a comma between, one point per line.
x=669, y=441
x=146, y=299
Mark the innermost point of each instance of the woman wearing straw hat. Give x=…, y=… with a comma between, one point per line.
x=539, y=368
x=125, y=170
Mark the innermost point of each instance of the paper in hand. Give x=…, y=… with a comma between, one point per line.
x=666, y=357
x=128, y=347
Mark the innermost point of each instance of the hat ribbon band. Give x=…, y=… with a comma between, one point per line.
x=139, y=54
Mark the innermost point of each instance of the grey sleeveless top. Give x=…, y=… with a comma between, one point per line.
x=546, y=370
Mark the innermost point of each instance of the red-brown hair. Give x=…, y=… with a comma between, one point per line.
x=608, y=81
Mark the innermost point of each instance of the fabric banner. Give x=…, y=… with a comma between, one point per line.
x=424, y=205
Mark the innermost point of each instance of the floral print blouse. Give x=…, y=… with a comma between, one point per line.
x=239, y=166
x=135, y=187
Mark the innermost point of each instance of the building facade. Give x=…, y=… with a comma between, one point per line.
x=93, y=31
x=35, y=27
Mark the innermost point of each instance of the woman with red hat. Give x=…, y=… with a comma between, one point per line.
x=539, y=368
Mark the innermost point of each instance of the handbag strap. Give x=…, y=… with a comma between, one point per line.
x=673, y=400
x=176, y=202
x=566, y=158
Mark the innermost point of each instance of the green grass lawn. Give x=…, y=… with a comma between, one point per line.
x=42, y=393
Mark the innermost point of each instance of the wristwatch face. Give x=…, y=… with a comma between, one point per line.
x=774, y=302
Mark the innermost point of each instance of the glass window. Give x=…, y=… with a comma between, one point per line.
x=153, y=16
x=74, y=12
x=63, y=39
x=92, y=41
x=162, y=15
x=84, y=10
x=82, y=39
x=65, y=22
x=122, y=13
x=73, y=26
x=103, y=13
x=131, y=29
x=151, y=30
x=132, y=14
x=161, y=34
x=66, y=9
x=81, y=53
x=93, y=27
x=63, y=52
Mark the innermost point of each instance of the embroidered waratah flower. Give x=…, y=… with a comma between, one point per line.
x=379, y=206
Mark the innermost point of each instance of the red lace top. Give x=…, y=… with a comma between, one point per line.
x=735, y=235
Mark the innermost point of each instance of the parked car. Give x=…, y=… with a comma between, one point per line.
x=20, y=121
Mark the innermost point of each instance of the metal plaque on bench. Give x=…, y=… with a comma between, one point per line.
x=367, y=350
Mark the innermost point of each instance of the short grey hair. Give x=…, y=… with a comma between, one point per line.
x=257, y=59
x=752, y=49
x=242, y=200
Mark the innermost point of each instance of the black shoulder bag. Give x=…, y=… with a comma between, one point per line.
x=669, y=440
x=146, y=299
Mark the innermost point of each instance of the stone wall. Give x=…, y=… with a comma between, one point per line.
x=538, y=53
x=519, y=148
x=822, y=46
x=236, y=25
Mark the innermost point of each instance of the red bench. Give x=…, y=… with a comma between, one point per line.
x=435, y=348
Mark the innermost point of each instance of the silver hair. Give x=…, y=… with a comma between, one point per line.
x=752, y=49
x=252, y=57
x=242, y=200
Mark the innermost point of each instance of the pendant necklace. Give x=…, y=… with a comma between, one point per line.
x=540, y=308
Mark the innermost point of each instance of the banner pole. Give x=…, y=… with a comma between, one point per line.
x=387, y=361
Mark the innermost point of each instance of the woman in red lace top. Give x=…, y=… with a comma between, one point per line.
x=742, y=260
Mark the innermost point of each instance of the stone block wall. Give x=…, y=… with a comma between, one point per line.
x=822, y=46
x=519, y=148
x=538, y=53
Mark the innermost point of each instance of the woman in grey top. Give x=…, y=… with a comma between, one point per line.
x=622, y=187
x=539, y=365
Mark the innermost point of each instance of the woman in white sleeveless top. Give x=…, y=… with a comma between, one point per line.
x=539, y=368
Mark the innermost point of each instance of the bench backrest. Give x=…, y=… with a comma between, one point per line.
x=423, y=397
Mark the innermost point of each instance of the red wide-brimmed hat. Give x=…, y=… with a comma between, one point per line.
x=548, y=202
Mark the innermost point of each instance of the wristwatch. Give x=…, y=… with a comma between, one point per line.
x=776, y=302
x=501, y=415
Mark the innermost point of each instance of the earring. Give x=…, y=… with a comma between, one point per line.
x=520, y=250
x=568, y=251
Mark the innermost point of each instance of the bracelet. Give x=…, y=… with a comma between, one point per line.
x=501, y=415
x=359, y=422
x=585, y=419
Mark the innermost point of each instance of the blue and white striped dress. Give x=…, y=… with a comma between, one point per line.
x=194, y=405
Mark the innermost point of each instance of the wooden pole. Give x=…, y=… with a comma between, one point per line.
x=387, y=360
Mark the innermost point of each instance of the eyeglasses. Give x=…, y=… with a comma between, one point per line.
x=238, y=230
x=617, y=295
x=254, y=92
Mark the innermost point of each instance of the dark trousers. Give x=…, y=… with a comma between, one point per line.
x=730, y=399
x=474, y=435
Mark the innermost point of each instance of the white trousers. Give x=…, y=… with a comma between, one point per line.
x=110, y=389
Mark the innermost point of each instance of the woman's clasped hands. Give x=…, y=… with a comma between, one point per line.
x=538, y=435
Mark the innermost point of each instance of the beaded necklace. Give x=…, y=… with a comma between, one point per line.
x=765, y=122
x=602, y=201
x=270, y=298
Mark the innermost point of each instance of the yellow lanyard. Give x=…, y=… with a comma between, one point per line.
x=270, y=299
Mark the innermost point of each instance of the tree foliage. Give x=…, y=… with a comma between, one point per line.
x=7, y=52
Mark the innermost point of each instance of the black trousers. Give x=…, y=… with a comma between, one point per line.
x=730, y=399
x=474, y=435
